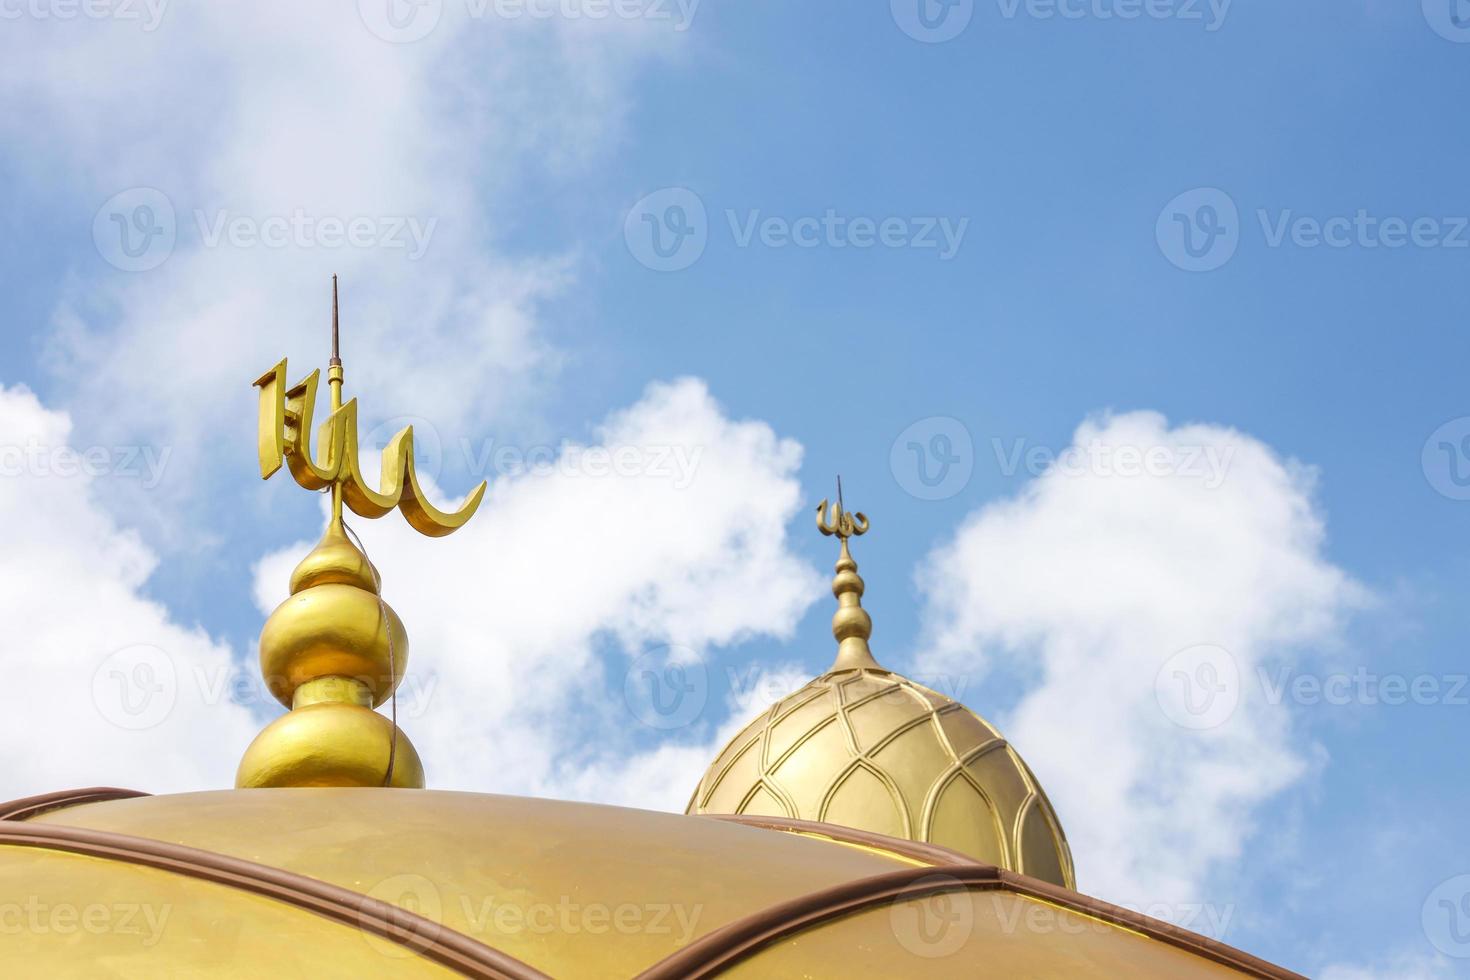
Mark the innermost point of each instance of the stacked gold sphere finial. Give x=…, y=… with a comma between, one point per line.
x=851, y=624
x=864, y=747
x=334, y=650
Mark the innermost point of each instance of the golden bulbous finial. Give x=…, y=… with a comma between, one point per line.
x=335, y=561
x=334, y=625
x=334, y=650
x=851, y=624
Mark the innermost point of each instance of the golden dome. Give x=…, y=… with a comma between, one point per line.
x=392, y=882
x=863, y=747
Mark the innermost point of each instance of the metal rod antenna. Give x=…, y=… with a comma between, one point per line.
x=334, y=382
x=336, y=349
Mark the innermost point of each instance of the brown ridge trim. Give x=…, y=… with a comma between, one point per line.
x=932, y=854
x=1165, y=932
x=429, y=939
x=32, y=806
x=717, y=951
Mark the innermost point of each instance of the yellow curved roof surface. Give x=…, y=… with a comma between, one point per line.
x=570, y=890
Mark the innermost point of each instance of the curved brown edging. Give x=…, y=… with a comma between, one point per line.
x=429, y=939
x=31, y=806
x=1164, y=932
x=931, y=854
x=718, y=950
x=947, y=871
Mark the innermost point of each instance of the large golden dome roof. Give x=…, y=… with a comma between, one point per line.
x=362, y=881
x=867, y=748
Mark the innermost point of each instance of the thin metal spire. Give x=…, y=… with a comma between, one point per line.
x=336, y=360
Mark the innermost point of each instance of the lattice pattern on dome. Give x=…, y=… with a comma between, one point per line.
x=873, y=750
x=867, y=748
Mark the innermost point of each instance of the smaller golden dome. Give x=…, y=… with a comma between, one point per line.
x=867, y=748
x=873, y=750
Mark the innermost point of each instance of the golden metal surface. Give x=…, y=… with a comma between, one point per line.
x=348, y=690
x=335, y=635
x=335, y=561
x=65, y=916
x=328, y=743
x=285, y=436
x=573, y=890
x=333, y=631
x=864, y=747
x=333, y=644
x=976, y=934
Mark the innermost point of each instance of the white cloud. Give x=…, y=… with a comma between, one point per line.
x=1087, y=584
x=265, y=111
x=102, y=686
x=506, y=617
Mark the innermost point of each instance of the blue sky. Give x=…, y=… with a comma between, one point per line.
x=1066, y=157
